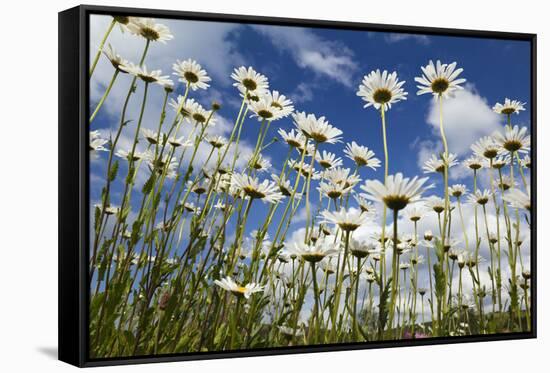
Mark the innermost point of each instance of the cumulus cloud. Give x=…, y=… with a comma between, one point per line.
x=466, y=118
x=324, y=57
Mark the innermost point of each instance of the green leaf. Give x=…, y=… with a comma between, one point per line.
x=113, y=171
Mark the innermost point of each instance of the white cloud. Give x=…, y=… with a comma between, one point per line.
x=396, y=38
x=325, y=57
x=302, y=93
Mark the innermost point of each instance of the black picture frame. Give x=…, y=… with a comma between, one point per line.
x=74, y=188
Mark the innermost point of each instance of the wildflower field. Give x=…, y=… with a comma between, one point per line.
x=223, y=216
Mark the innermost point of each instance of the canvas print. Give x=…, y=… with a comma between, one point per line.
x=256, y=186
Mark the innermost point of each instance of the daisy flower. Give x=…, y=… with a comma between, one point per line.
x=263, y=110
x=292, y=138
x=361, y=249
x=176, y=142
x=486, y=147
x=513, y=139
x=317, y=252
x=505, y=183
x=153, y=76
x=109, y=210
x=365, y=205
x=437, y=164
x=509, y=107
x=124, y=154
x=96, y=142
x=249, y=81
x=361, y=155
x=439, y=79
x=328, y=160
x=500, y=162
x=246, y=291
x=280, y=102
x=284, y=184
x=260, y=163
x=473, y=163
x=518, y=199
x=436, y=204
x=340, y=175
x=317, y=129
x=381, y=89
x=481, y=197
x=398, y=192
x=216, y=141
x=151, y=136
x=267, y=191
x=414, y=213
x=116, y=60
x=457, y=190
x=192, y=74
x=149, y=29
x=332, y=190
x=347, y=220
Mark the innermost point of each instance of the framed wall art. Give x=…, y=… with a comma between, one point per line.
x=239, y=186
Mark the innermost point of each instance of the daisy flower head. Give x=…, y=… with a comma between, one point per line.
x=504, y=183
x=116, y=60
x=192, y=74
x=318, y=129
x=248, y=81
x=518, y=199
x=513, y=139
x=398, y=192
x=439, y=79
x=500, y=161
x=361, y=155
x=96, y=142
x=176, y=142
x=486, y=147
x=328, y=160
x=280, y=102
x=246, y=291
x=152, y=76
x=267, y=191
x=361, y=249
x=458, y=190
x=381, y=89
x=365, y=205
x=473, y=163
x=259, y=163
x=316, y=252
x=509, y=107
x=342, y=176
x=347, y=220
x=414, y=213
x=216, y=141
x=436, y=204
x=149, y=29
x=481, y=197
x=332, y=190
x=151, y=136
x=294, y=139
x=284, y=184
x=437, y=164
x=263, y=110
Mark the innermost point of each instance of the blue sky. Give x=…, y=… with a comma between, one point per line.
x=320, y=69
